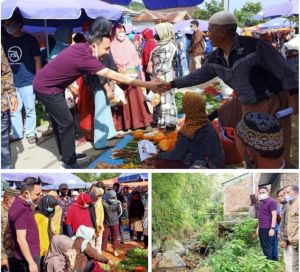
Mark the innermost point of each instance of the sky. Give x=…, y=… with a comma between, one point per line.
x=237, y=4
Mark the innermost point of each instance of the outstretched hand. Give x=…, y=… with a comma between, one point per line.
x=159, y=86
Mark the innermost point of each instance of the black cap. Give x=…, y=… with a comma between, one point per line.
x=63, y=186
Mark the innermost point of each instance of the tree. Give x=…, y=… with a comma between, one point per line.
x=245, y=14
x=210, y=9
x=136, y=6
x=91, y=177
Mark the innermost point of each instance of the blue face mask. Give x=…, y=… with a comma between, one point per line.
x=50, y=210
x=289, y=198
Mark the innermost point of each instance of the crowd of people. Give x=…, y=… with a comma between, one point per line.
x=79, y=83
x=66, y=230
x=278, y=225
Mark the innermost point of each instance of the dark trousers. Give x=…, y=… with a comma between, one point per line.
x=113, y=230
x=63, y=125
x=146, y=241
x=121, y=230
x=5, y=145
x=267, y=244
x=22, y=265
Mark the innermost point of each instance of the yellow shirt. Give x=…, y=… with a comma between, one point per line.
x=56, y=221
x=99, y=213
x=43, y=224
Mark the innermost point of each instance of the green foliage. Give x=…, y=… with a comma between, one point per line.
x=245, y=14
x=210, y=8
x=252, y=262
x=135, y=257
x=245, y=229
x=180, y=202
x=91, y=177
x=136, y=6
x=178, y=100
x=241, y=253
x=208, y=233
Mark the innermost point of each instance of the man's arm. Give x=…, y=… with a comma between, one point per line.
x=274, y=219
x=269, y=58
x=127, y=80
x=38, y=63
x=21, y=239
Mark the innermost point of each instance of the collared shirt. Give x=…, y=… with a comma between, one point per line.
x=21, y=217
x=255, y=70
x=283, y=222
x=7, y=83
x=265, y=209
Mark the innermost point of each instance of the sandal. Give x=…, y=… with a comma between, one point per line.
x=32, y=140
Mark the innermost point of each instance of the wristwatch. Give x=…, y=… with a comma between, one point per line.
x=272, y=228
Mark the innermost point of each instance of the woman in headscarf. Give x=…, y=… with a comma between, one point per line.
x=160, y=65
x=135, y=114
x=94, y=97
x=136, y=214
x=78, y=214
x=197, y=141
x=57, y=217
x=43, y=218
x=63, y=38
x=87, y=257
x=150, y=44
x=60, y=257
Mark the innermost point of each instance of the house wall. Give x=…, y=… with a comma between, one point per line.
x=237, y=192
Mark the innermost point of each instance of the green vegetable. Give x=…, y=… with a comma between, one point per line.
x=178, y=100
x=135, y=257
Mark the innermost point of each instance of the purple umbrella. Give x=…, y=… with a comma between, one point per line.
x=184, y=26
x=19, y=177
x=284, y=8
x=159, y=4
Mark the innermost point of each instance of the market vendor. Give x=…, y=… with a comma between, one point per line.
x=257, y=71
x=197, y=141
x=50, y=83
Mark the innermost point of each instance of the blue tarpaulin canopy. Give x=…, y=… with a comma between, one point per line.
x=284, y=8
x=132, y=177
x=73, y=181
x=49, y=181
x=17, y=178
x=59, y=12
x=277, y=23
x=159, y=4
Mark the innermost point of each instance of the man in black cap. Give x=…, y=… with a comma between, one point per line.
x=64, y=201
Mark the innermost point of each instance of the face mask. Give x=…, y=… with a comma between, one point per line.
x=263, y=197
x=12, y=29
x=289, y=198
x=121, y=37
x=50, y=210
x=29, y=201
x=63, y=193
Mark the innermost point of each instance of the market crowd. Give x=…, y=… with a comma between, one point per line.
x=77, y=86
x=64, y=230
x=278, y=224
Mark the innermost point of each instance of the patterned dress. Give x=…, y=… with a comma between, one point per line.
x=164, y=114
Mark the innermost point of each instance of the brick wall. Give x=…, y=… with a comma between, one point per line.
x=237, y=191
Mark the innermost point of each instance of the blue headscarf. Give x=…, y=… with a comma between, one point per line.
x=61, y=37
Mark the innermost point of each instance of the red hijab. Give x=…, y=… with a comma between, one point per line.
x=150, y=44
x=77, y=215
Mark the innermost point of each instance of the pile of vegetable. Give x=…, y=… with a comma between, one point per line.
x=178, y=100
x=212, y=103
x=136, y=257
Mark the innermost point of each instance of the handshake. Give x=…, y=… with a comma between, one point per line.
x=158, y=86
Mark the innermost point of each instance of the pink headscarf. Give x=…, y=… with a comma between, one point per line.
x=124, y=53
